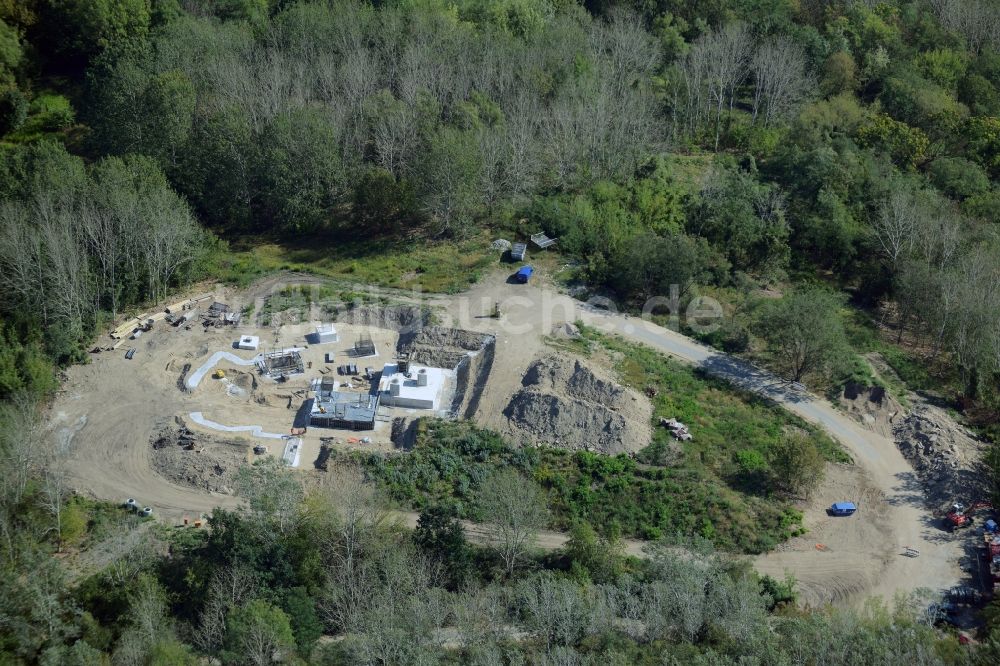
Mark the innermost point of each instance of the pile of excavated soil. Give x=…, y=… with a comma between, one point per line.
x=945, y=455
x=872, y=406
x=565, y=403
x=196, y=460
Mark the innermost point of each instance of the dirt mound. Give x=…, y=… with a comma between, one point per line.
x=565, y=331
x=568, y=404
x=196, y=460
x=872, y=406
x=944, y=455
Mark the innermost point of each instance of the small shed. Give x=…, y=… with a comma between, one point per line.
x=519, y=251
x=249, y=342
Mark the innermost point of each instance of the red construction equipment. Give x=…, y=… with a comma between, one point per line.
x=959, y=516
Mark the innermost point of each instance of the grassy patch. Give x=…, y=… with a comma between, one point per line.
x=722, y=418
x=914, y=372
x=294, y=303
x=614, y=494
x=439, y=267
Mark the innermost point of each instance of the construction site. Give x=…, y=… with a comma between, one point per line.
x=174, y=401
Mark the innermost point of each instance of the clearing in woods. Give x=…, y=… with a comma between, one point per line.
x=112, y=409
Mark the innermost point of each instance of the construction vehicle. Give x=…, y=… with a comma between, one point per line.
x=959, y=516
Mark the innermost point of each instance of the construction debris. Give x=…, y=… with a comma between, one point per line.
x=542, y=241
x=944, y=455
x=677, y=429
x=197, y=460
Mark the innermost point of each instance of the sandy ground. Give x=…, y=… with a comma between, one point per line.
x=109, y=409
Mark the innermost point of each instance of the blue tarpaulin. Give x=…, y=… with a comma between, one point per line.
x=844, y=508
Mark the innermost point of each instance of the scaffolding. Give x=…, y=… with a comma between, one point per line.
x=281, y=363
x=365, y=346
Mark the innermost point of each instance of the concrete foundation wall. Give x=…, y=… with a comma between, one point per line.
x=400, y=401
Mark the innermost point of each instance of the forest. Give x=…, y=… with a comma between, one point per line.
x=842, y=154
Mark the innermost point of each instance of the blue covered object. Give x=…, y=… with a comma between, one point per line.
x=843, y=508
x=991, y=526
x=524, y=274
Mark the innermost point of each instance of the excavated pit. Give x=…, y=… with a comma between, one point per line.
x=469, y=353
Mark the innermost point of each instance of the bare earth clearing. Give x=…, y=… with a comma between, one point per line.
x=112, y=409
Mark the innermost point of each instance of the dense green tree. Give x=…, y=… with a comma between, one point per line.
x=905, y=145
x=300, y=173
x=83, y=29
x=447, y=175
x=381, y=202
x=796, y=464
x=303, y=620
x=983, y=135
x=13, y=110
x=441, y=537
x=649, y=265
x=945, y=67
x=839, y=74
x=596, y=559
x=742, y=217
x=958, y=177
x=257, y=634
x=11, y=53
x=803, y=331
x=979, y=95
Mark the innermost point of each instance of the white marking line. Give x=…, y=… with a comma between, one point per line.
x=255, y=430
x=199, y=374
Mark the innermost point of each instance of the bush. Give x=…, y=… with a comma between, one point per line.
x=905, y=145
x=52, y=113
x=944, y=67
x=958, y=177
x=13, y=111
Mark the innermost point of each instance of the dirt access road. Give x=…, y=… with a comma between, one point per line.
x=840, y=560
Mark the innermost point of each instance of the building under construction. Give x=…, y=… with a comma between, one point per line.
x=348, y=411
x=281, y=364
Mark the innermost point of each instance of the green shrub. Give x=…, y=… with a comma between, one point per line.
x=958, y=177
